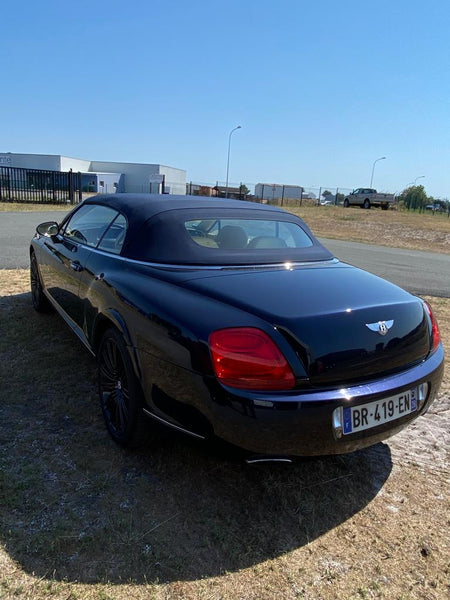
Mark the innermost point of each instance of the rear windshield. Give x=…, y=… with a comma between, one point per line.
x=249, y=234
x=203, y=236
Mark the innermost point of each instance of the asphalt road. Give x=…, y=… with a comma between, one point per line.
x=16, y=231
x=418, y=272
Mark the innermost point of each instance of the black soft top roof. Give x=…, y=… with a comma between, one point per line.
x=157, y=233
x=141, y=207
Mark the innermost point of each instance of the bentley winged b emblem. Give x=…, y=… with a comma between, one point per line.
x=381, y=327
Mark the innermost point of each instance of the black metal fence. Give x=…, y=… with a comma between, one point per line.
x=39, y=187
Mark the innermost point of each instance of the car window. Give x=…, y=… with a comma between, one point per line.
x=114, y=236
x=211, y=235
x=252, y=234
x=89, y=223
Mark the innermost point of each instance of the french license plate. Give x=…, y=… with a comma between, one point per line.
x=366, y=416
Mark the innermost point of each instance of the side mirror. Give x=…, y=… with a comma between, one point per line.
x=49, y=228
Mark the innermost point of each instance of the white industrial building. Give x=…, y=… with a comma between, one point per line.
x=104, y=176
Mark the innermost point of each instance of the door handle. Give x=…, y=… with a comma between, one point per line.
x=75, y=265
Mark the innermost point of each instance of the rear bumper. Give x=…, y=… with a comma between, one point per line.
x=301, y=424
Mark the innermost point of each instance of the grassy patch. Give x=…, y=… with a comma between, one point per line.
x=400, y=229
x=81, y=518
x=32, y=206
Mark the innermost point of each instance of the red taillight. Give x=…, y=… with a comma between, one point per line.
x=435, y=333
x=247, y=358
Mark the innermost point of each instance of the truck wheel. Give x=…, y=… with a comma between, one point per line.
x=346, y=203
x=384, y=207
x=366, y=203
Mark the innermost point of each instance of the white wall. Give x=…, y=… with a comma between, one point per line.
x=175, y=179
x=137, y=177
x=76, y=164
x=48, y=162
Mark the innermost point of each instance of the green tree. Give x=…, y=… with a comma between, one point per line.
x=243, y=190
x=414, y=198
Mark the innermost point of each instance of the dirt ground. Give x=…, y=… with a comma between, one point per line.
x=374, y=524
x=430, y=450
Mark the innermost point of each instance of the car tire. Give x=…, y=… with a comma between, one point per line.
x=346, y=203
x=38, y=298
x=384, y=207
x=121, y=397
x=366, y=203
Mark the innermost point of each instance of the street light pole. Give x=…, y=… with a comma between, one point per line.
x=414, y=182
x=373, y=167
x=228, y=158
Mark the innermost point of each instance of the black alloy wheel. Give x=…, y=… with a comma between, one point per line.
x=38, y=298
x=346, y=203
x=121, y=398
x=366, y=203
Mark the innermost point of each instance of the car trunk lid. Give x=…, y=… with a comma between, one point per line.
x=345, y=324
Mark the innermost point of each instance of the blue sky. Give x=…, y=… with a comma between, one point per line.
x=321, y=89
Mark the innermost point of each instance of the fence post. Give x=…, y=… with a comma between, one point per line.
x=9, y=184
x=80, y=193
x=320, y=195
x=71, y=190
x=282, y=196
x=53, y=187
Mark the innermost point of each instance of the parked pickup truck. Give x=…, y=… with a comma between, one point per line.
x=366, y=197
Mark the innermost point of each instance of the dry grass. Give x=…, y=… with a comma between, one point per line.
x=400, y=229
x=81, y=518
x=29, y=207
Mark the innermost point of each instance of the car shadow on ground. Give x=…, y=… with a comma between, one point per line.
x=76, y=507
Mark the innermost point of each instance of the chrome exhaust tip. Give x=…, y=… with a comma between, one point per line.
x=267, y=459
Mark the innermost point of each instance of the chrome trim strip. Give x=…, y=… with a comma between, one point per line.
x=252, y=461
x=169, y=424
x=188, y=267
x=70, y=322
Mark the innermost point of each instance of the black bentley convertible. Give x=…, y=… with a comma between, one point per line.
x=227, y=319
